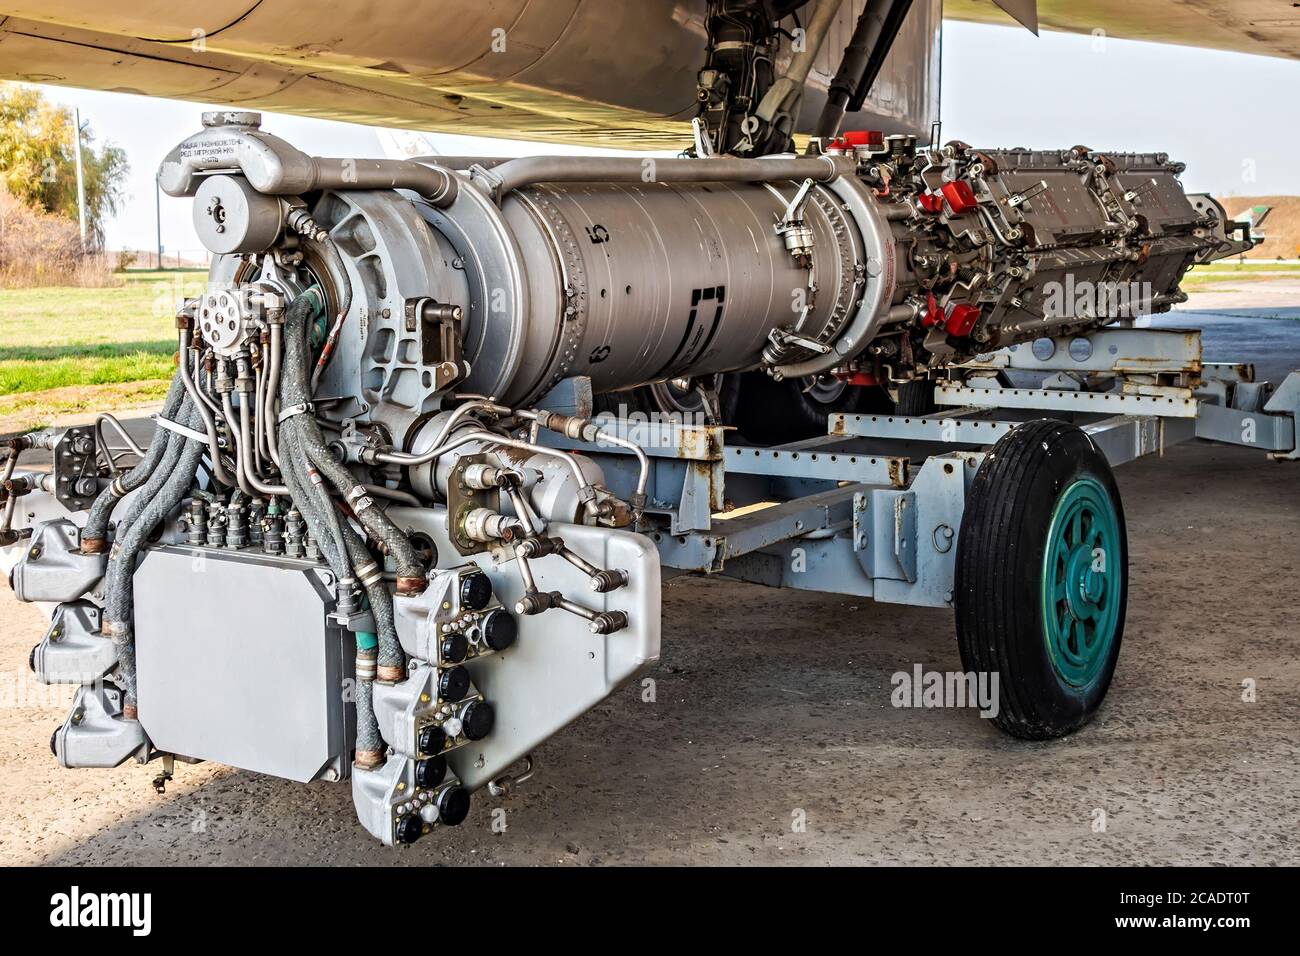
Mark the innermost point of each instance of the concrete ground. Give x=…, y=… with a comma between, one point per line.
x=772, y=709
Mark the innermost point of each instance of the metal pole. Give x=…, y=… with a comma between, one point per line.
x=157, y=209
x=81, y=179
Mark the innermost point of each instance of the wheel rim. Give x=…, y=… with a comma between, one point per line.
x=1082, y=582
x=682, y=396
x=825, y=389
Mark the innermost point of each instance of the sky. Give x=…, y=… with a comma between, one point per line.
x=1217, y=112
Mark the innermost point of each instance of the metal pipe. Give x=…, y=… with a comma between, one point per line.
x=643, y=460
x=201, y=389
x=437, y=185
x=853, y=341
x=7, y=522
x=586, y=492
x=531, y=170
x=462, y=162
x=117, y=427
x=259, y=429
x=405, y=497
x=200, y=402
x=228, y=410
x=243, y=458
x=462, y=412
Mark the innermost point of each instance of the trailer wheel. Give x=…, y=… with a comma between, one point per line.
x=1042, y=578
x=916, y=399
x=769, y=412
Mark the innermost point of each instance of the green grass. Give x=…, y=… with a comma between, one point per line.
x=1228, y=274
x=63, y=337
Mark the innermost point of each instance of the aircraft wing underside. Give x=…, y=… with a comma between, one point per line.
x=617, y=73
x=1263, y=27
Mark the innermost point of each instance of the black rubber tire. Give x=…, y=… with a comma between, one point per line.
x=769, y=412
x=1000, y=556
x=916, y=399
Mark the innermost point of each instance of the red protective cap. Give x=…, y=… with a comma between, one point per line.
x=960, y=196
x=862, y=379
x=932, y=315
x=864, y=137
x=930, y=202
x=961, y=319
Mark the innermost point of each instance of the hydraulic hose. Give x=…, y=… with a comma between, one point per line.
x=95, y=533
x=121, y=565
x=379, y=653
x=294, y=399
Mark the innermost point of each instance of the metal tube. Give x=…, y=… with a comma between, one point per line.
x=259, y=421
x=401, y=458
x=437, y=185
x=643, y=460
x=531, y=170
x=853, y=341
x=243, y=457
x=205, y=412
x=117, y=427
x=463, y=412
x=405, y=497
x=228, y=410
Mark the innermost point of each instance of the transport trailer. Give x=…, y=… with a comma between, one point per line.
x=382, y=537
x=1000, y=503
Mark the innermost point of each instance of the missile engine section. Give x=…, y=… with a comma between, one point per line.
x=379, y=535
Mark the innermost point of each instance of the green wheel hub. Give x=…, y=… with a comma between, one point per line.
x=1082, y=580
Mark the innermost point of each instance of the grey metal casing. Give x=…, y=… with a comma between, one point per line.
x=52, y=568
x=74, y=651
x=238, y=663
x=557, y=669
x=95, y=734
x=632, y=283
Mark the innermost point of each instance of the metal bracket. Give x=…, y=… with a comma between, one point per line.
x=76, y=471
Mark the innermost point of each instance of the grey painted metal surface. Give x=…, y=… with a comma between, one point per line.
x=557, y=669
x=258, y=685
x=1104, y=403
x=73, y=650
x=1138, y=351
x=94, y=735
x=52, y=568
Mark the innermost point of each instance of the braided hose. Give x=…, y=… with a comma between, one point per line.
x=95, y=533
x=154, y=509
x=379, y=655
x=294, y=393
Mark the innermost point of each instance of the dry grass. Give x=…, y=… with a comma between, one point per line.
x=1282, y=227
x=38, y=249
x=25, y=411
